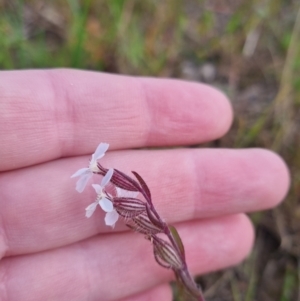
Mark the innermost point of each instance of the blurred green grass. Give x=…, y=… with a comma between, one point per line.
x=248, y=43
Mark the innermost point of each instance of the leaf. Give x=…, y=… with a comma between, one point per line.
x=143, y=184
x=177, y=239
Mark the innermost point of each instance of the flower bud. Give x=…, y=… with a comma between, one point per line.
x=142, y=224
x=165, y=254
x=129, y=207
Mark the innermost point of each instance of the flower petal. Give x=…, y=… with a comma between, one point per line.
x=80, y=172
x=111, y=218
x=106, y=205
x=97, y=188
x=89, y=210
x=126, y=194
x=100, y=151
x=93, y=160
x=81, y=183
x=107, y=177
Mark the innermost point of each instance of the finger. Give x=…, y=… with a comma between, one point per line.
x=56, y=113
x=114, y=266
x=40, y=208
x=161, y=293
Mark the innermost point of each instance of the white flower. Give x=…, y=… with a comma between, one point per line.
x=86, y=173
x=112, y=217
x=102, y=199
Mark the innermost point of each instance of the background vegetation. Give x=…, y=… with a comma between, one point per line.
x=248, y=48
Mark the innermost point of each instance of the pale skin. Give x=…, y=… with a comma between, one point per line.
x=50, y=123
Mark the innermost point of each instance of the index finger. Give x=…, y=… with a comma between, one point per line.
x=47, y=114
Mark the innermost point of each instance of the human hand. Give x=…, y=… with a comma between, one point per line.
x=50, y=123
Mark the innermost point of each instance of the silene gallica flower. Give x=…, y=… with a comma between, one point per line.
x=120, y=195
x=103, y=198
x=86, y=173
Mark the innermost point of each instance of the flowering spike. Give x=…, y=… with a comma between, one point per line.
x=117, y=196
